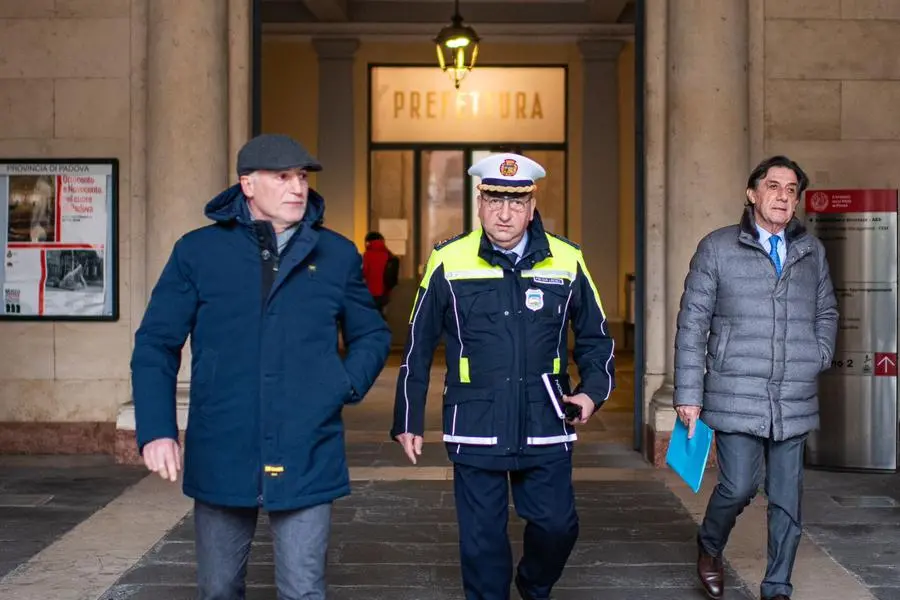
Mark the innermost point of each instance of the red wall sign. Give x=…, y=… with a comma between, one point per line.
x=885, y=364
x=851, y=201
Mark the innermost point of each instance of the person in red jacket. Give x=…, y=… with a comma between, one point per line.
x=379, y=269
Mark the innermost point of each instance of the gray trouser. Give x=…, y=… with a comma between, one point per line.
x=740, y=459
x=224, y=535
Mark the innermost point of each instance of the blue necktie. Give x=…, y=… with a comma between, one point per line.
x=773, y=253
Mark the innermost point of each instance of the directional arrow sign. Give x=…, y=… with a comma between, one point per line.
x=885, y=364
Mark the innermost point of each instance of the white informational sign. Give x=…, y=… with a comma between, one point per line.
x=56, y=229
x=493, y=104
x=858, y=409
x=394, y=229
x=398, y=247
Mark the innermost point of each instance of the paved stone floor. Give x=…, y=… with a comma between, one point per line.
x=855, y=518
x=92, y=530
x=397, y=540
x=42, y=499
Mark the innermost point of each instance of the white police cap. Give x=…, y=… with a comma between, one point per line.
x=507, y=173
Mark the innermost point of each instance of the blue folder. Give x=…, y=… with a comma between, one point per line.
x=687, y=457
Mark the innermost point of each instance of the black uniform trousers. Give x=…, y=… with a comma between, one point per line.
x=543, y=497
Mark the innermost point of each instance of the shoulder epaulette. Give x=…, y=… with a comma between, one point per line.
x=566, y=240
x=443, y=243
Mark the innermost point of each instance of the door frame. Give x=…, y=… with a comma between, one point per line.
x=640, y=218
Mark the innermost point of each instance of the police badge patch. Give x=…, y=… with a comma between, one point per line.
x=534, y=299
x=509, y=168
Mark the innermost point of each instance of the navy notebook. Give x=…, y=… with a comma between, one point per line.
x=687, y=457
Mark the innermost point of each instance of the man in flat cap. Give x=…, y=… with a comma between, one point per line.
x=503, y=296
x=262, y=292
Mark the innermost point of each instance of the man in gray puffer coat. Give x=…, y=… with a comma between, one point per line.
x=757, y=324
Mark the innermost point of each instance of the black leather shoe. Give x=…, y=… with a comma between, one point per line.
x=711, y=573
x=522, y=593
x=778, y=597
x=520, y=587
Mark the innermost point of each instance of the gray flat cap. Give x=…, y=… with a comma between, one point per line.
x=274, y=152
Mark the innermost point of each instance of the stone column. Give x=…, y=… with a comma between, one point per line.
x=240, y=49
x=655, y=134
x=187, y=145
x=187, y=117
x=336, y=131
x=600, y=170
x=707, y=153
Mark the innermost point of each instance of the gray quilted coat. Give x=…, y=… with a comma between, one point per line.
x=750, y=344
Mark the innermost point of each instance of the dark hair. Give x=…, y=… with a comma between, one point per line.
x=778, y=161
x=372, y=236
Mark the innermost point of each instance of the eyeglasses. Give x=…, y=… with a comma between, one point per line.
x=517, y=205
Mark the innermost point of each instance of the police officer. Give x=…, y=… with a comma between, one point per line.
x=502, y=296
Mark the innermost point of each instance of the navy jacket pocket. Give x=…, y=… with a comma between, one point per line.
x=469, y=416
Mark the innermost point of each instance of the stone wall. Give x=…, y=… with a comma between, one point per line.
x=164, y=87
x=832, y=89
x=71, y=87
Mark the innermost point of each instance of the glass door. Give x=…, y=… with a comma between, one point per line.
x=474, y=157
x=392, y=204
x=442, y=197
x=419, y=197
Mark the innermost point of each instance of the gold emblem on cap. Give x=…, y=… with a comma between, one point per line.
x=508, y=168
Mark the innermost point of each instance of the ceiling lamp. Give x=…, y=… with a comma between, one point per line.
x=457, y=48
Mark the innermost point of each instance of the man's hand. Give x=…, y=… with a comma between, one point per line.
x=412, y=445
x=584, y=402
x=164, y=457
x=688, y=416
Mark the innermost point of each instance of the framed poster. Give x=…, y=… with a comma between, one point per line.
x=58, y=232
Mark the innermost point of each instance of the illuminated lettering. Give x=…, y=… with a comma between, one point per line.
x=399, y=100
x=467, y=105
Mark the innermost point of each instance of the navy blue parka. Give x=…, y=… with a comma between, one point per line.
x=268, y=383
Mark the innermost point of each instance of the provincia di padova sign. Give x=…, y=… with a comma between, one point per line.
x=58, y=230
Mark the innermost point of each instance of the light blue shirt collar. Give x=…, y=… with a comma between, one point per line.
x=764, y=241
x=765, y=235
x=518, y=249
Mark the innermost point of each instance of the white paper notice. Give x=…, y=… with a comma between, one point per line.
x=398, y=247
x=393, y=229
x=23, y=265
x=22, y=287
x=83, y=209
x=74, y=284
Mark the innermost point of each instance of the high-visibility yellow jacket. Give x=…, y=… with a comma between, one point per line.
x=504, y=325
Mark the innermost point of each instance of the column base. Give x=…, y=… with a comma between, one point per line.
x=126, y=451
x=41, y=437
x=658, y=429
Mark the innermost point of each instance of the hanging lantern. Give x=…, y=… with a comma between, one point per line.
x=457, y=48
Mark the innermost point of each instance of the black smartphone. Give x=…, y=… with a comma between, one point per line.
x=573, y=412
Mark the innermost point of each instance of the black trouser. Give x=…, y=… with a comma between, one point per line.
x=740, y=459
x=544, y=497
